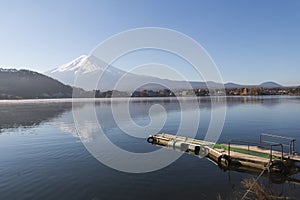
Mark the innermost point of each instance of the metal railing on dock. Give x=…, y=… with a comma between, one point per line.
x=238, y=154
x=291, y=143
x=248, y=143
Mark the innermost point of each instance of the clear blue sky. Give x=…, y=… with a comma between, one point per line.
x=250, y=41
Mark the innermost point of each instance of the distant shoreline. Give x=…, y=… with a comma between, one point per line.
x=82, y=100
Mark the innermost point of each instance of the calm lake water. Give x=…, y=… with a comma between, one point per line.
x=42, y=156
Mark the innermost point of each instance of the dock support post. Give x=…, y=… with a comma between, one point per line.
x=292, y=147
x=271, y=154
x=228, y=149
x=260, y=139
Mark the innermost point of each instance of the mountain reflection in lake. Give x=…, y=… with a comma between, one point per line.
x=42, y=157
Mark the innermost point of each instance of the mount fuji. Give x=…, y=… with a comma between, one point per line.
x=82, y=72
x=90, y=73
x=85, y=72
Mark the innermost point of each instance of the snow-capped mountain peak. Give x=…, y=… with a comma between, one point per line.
x=82, y=64
x=90, y=73
x=89, y=69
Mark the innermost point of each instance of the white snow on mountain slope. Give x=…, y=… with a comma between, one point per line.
x=91, y=73
x=87, y=70
x=83, y=63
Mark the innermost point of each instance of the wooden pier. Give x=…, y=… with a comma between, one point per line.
x=265, y=155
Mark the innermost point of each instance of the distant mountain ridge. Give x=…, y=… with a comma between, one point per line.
x=268, y=84
x=26, y=84
x=88, y=68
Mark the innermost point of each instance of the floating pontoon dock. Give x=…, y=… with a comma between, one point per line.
x=268, y=154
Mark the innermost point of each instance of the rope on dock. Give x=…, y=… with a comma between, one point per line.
x=247, y=192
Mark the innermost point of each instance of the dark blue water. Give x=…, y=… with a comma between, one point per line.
x=42, y=157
